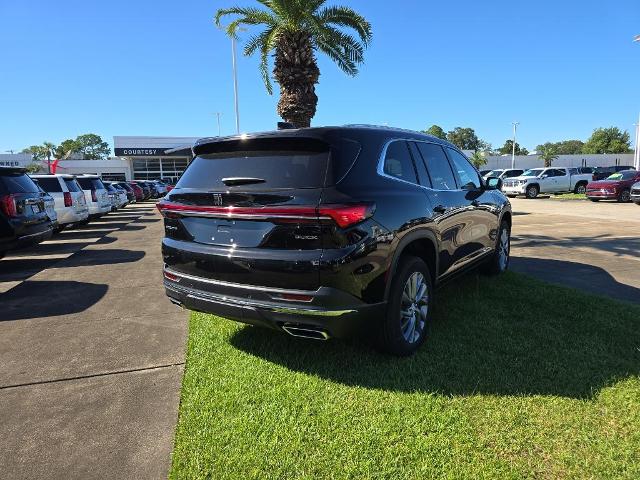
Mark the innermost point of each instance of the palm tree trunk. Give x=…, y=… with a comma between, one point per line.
x=297, y=73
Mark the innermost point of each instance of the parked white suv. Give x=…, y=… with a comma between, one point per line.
x=70, y=204
x=546, y=180
x=95, y=194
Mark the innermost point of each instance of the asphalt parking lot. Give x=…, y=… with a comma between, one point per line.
x=92, y=353
x=590, y=246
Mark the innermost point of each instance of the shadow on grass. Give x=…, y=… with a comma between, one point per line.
x=510, y=335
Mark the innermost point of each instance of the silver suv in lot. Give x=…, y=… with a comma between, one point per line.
x=70, y=203
x=95, y=194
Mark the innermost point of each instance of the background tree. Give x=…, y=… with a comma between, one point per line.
x=478, y=159
x=466, y=139
x=33, y=167
x=436, y=131
x=90, y=145
x=547, y=155
x=295, y=30
x=608, y=140
x=507, y=149
x=66, y=149
x=48, y=150
x=565, y=147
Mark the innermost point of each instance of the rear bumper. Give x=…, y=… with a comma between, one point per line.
x=27, y=240
x=515, y=190
x=331, y=311
x=69, y=215
x=96, y=209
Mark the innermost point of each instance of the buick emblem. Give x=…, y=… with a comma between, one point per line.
x=217, y=199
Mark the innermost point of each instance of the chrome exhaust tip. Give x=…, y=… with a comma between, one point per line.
x=306, y=331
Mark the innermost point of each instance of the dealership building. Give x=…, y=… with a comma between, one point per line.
x=150, y=158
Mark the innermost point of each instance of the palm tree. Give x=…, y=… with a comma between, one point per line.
x=547, y=154
x=296, y=30
x=478, y=159
x=48, y=150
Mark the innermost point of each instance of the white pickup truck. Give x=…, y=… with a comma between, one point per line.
x=546, y=180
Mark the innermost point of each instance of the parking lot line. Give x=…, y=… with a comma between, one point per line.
x=71, y=240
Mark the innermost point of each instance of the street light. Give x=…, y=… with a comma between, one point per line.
x=513, y=151
x=636, y=153
x=235, y=83
x=218, y=114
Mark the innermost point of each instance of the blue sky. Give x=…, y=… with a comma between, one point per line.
x=155, y=67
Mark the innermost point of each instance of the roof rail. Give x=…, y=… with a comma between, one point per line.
x=385, y=127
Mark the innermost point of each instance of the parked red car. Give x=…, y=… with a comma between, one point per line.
x=615, y=187
x=137, y=190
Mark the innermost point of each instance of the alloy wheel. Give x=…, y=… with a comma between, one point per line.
x=414, y=307
x=503, y=249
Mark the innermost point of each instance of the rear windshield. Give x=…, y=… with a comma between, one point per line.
x=17, y=183
x=50, y=184
x=72, y=185
x=90, y=183
x=283, y=169
x=276, y=162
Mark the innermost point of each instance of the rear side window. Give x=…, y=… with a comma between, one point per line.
x=50, y=184
x=398, y=163
x=90, y=183
x=271, y=169
x=467, y=175
x=72, y=185
x=17, y=183
x=437, y=165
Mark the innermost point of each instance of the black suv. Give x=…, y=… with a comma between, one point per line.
x=324, y=232
x=23, y=217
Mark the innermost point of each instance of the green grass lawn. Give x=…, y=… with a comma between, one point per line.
x=569, y=196
x=519, y=379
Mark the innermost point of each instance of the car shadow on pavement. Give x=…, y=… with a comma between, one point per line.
x=609, y=243
x=581, y=276
x=510, y=335
x=38, y=299
x=17, y=268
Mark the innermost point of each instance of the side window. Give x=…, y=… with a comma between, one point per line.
x=438, y=166
x=423, y=175
x=398, y=163
x=467, y=175
x=557, y=173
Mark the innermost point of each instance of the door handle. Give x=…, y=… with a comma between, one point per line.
x=439, y=209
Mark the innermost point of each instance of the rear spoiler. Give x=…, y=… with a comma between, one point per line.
x=275, y=143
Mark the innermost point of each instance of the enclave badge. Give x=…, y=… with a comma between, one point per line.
x=217, y=199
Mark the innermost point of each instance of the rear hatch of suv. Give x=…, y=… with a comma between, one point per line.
x=22, y=205
x=95, y=191
x=77, y=195
x=248, y=212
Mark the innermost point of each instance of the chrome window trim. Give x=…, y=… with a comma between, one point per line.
x=380, y=167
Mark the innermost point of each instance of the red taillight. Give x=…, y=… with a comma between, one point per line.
x=294, y=297
x=68, y=202
x=343, y=215
x=171, y=276
x=94, y=196
x=8, y=205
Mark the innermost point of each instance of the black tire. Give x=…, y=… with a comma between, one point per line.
x=392, y=337
x=625, y=196
x=532, y=191
x=580, y=188
x=497, y=264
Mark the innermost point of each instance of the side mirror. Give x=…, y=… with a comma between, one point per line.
x=494, y=183
x=544, y=175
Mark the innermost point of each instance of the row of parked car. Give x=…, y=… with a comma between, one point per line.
x=33, y=208
x=620, y=183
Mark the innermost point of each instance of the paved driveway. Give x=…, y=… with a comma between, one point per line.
x=91, y=354
x=591, y=246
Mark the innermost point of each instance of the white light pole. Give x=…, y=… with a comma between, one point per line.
x=513, y=151
x=217, y=114
x=636, y=157
x=235, y=83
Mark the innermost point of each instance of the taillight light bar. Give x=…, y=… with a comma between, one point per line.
x=8, y=205
x=342, y=215
x=68, y=202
